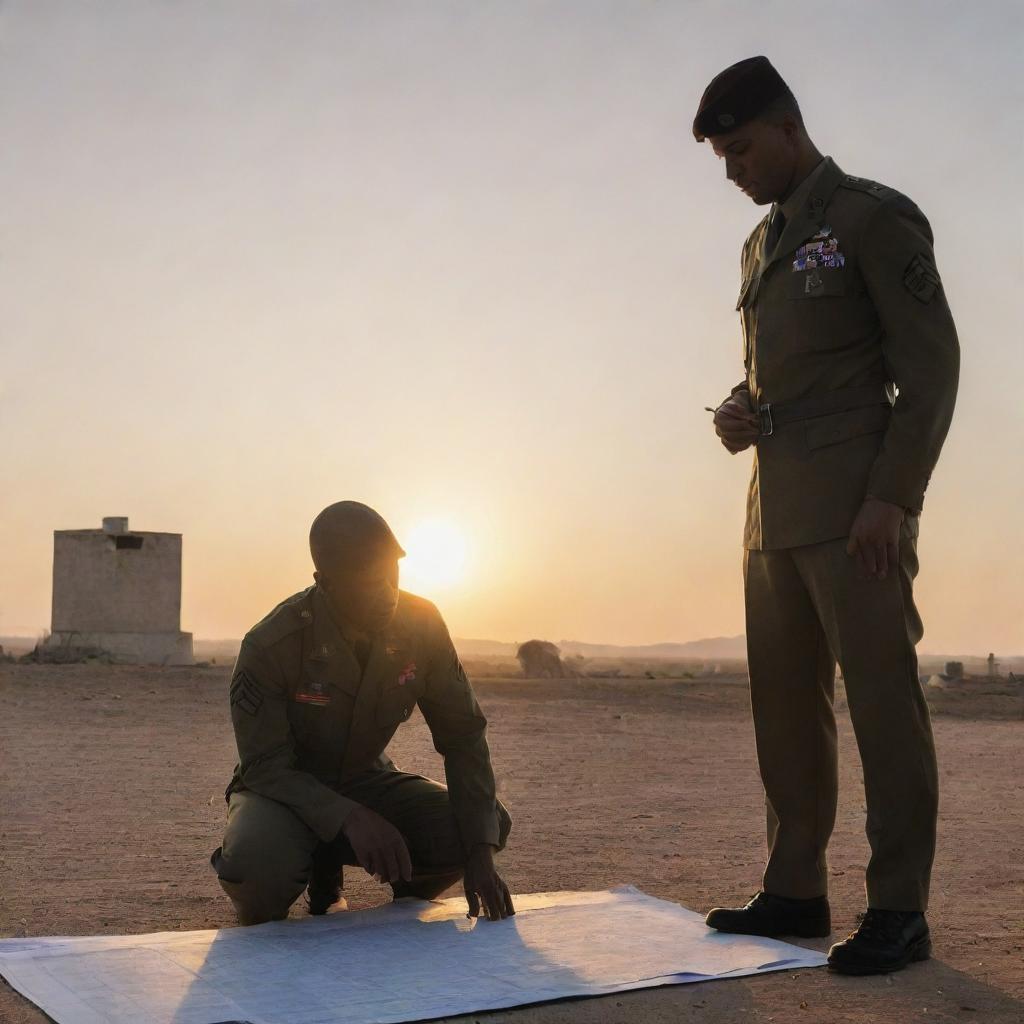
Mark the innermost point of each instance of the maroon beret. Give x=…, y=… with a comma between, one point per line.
x=737, y=95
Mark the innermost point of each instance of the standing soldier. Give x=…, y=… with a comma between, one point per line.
x=851, y=361
x=319, y=688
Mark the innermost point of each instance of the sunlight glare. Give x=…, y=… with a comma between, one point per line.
x=435, y=558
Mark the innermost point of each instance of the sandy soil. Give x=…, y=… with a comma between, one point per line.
x=111, y=783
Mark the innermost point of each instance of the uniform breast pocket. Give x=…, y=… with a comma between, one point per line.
x=817, y=284
x=819, y=313
x=397, y=704
x=316, y=707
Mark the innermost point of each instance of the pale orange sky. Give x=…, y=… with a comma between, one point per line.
x=464, y=262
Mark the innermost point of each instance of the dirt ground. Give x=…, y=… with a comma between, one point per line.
x=111, y=782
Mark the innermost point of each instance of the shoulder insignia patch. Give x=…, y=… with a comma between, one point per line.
x=921, y=278
x=245, y=694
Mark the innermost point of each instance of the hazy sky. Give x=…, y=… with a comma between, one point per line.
x=464, y=261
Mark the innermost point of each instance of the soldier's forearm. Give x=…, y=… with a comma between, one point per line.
x=478, y=828
x=920, y=348
x=471, y=790
x=319, y=806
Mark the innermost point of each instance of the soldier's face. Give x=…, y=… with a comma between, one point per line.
x=366, y=597
x=760, y=158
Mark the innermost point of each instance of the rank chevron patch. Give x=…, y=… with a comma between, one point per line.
x=921, y=278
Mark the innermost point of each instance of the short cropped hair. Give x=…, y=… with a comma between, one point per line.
x=781, y=107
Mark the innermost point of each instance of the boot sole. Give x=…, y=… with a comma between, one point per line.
x=806, y=930
x=918, y=951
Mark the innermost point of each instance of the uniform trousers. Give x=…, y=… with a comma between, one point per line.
x=268, y=852
x=806, y=610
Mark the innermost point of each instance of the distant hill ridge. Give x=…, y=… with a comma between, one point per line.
x=724, y=648
x=712, y=647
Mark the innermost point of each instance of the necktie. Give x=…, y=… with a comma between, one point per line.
x=775, y=228
x=361, y=647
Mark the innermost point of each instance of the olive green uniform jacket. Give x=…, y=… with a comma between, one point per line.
x=307, y=718
x=848, y=298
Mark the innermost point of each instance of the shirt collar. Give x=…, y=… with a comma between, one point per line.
x=329, y=632
x=798, y=198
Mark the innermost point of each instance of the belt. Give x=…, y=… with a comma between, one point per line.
x=778, y=414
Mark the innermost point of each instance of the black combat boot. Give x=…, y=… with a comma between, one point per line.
x=774, y=916
x=325, y=880
x=885, y=941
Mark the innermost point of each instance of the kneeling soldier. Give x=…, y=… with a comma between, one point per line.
x=319, y=688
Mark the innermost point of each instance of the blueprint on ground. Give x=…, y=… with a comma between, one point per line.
x=406, y=961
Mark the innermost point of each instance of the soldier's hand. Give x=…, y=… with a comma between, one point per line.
x=379, y=846
x=484, y=888
x=736, y=423
x=874, y=538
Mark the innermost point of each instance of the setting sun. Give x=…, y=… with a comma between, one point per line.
x=435, y=556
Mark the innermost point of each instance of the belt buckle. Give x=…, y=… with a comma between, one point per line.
x=764, y=415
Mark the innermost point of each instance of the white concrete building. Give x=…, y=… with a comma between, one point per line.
x=119, y=590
